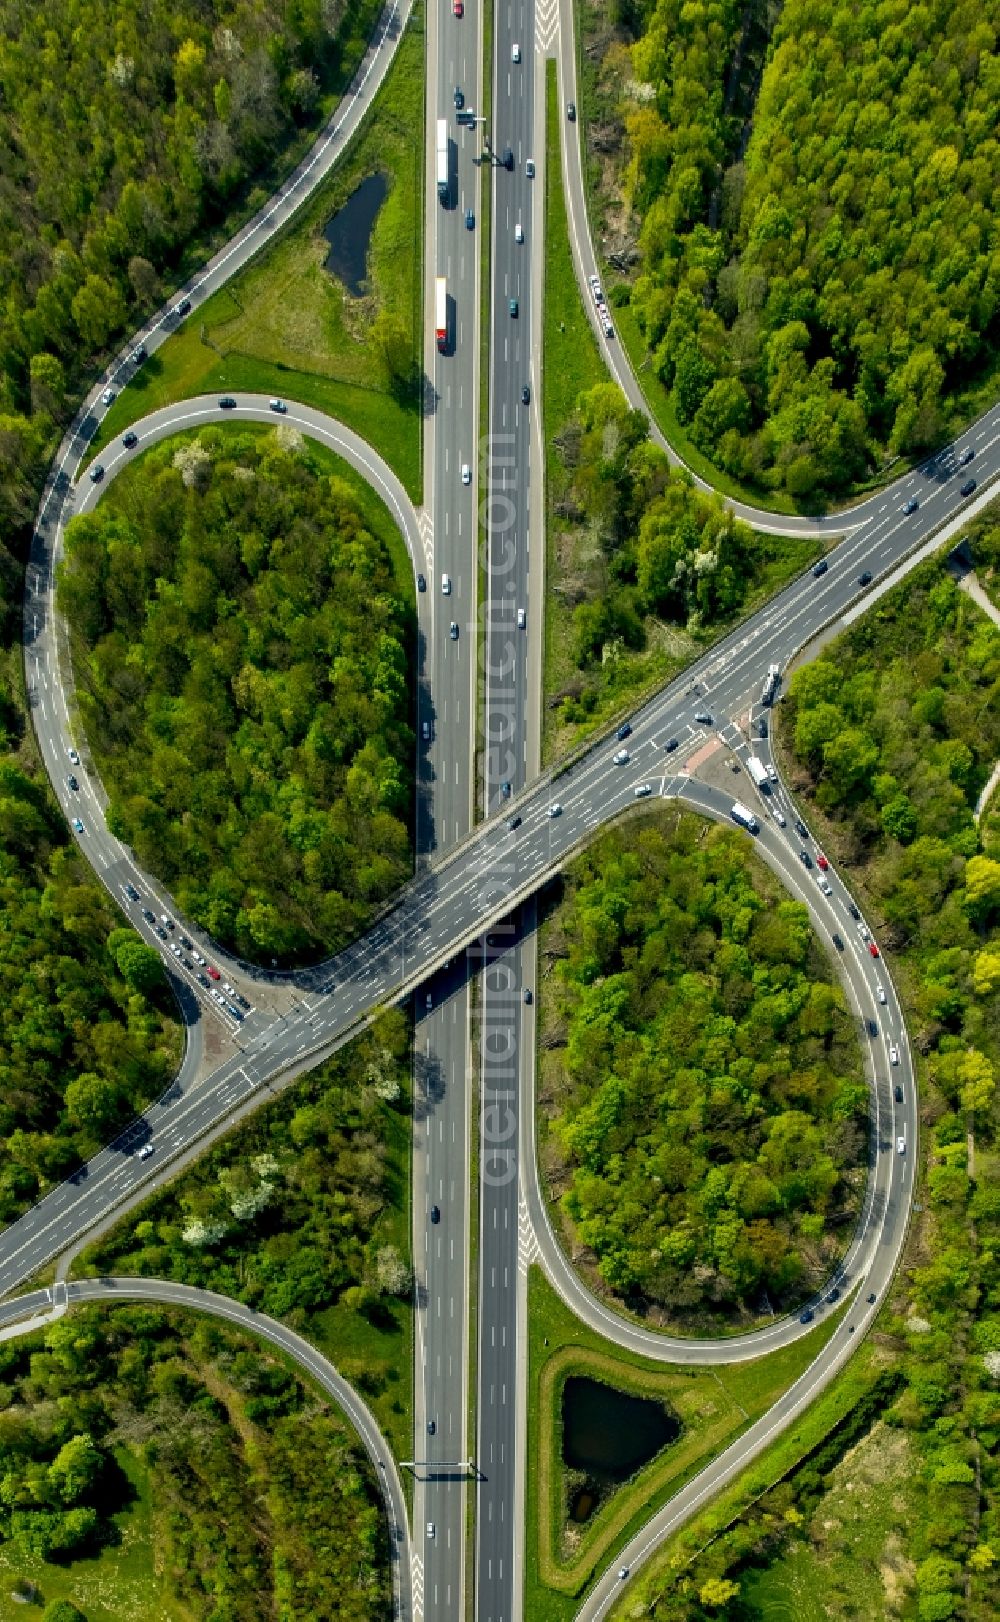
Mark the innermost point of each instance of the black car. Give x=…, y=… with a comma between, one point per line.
x=227, y=403
x=968, y=487
x=872, y=1028
x=805, y=1317
x=911, y=506
x=508, y=158
x=459, y=97
x=131, y=892
x=183, y=307
x=801, y=829
x=203, y=980
x=871, y=1299
x=852, y=909
x=820, y=568
x=898, y=1093
x=670, y=745
x=527, y=994
x=513, y=822
x=805, y=858
x=185, y=943
x=525, y=394
x=421, y=583
x=832, y=1297
x=624, y=731
x=161, y=932
x=838, y=943
x=130, y=439
x=470, y=220
x=505, y=790
x=762, y=728
x=865, y=579
x=71, y=782
x=571, y=110
x=703, y=718
x=431, y=1427
x=96, y=473
x=150, y=917
x=435, y=1213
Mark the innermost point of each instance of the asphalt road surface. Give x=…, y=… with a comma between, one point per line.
x=453, y=900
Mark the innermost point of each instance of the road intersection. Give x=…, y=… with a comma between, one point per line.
x=472, y=878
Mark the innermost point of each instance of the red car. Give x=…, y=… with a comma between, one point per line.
x=214, y=973
x=873, y=949
x=458, y=7
x=821, y=861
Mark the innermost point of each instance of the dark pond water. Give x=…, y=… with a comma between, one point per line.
x=610, y=1434
x=350, y=230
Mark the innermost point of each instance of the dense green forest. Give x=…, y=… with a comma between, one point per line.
x=242, y=656
x=706, y=1103
x=639, y=547
x=264, y=1503
x=892, y=735
x=127, y=132
x=302, y=1212
x=818, y=272
x=88, y=1030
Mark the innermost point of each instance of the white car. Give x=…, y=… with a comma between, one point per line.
x=108, y=397
x=771, y=772
x=446, y=585
x=620, y=758
x=642, y=790
x=198, y=958
x=431, y=1529
x=522, y=619
x=529, y=168
x=175, y=949
x=466, y=473
x=519, y=232
x=893, y=1053
x=74, y=757
x=880, y=993
x=901, y=1146
x=515, y=53
x=824, y=886
x=145, y=1151
x=555, y=809
x=778, y=816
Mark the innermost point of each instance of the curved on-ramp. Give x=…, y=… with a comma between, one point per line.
x=880, y=1231
x=34, y=1311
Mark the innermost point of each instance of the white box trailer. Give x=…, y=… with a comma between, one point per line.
x=443, y=178
x=441, y=311
x=745, y=817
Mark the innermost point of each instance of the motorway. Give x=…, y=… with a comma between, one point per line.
x=30, y=1312
x=447, y=712
x=470, y=882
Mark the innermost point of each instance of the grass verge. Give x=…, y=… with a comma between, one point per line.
x=791, y=1450
x=285, y=326
x=714, y=1406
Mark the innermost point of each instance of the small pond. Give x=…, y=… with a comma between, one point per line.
x=609, y=1433
x=349, y=233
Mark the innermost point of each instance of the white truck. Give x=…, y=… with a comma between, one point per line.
x=771, y=681
x=745, y=817
x=443, y=177
x=441, y=312
x=758, y=771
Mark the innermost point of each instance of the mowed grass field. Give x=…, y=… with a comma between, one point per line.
x=285, y=326
x=714, y=1406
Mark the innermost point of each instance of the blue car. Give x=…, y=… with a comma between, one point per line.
x=470, y=220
